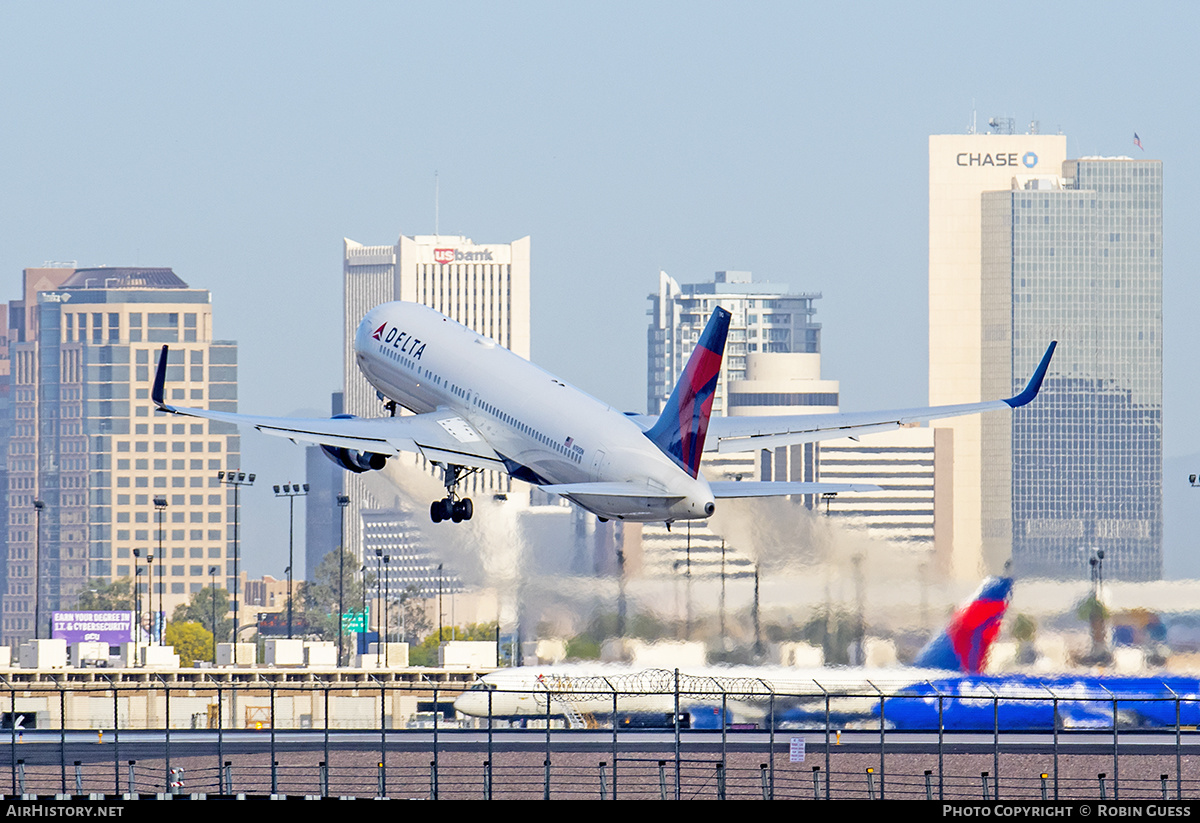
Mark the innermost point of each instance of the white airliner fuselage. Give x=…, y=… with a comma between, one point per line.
x=425, y=362
x=477, y=405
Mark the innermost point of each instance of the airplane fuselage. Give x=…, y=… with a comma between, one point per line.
x=545, y=431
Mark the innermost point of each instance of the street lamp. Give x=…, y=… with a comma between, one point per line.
x=212, y=590
x=160, y=511
x=1096, y=561
x=38, y=505
x=291, y=491
x=343, y=500
x=440, y=637
x=150, y=590
x=237, y=480
x=386, y=585
x=382, y=561
x=137, y=591
x=362, y=579
x=828, y=498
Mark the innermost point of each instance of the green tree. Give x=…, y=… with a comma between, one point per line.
x=1024, y=631
x=318, y=598
x=100, y=595
x=412, y=618
x=192, y=641
x=199, y=609
x=1096, y=614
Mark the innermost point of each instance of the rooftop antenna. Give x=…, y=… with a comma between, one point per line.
x=1002, y=125
x=436, y=192
x=972, y=130
x=1034, y=126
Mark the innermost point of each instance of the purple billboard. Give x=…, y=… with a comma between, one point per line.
x=113, y=628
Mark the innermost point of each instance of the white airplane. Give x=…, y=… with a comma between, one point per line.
x=642, y=696
x=479, y=406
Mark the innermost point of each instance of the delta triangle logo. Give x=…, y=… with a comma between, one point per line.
x=378, y=335
x=443, y=256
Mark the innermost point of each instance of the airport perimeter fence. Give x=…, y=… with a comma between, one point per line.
x=676, y=738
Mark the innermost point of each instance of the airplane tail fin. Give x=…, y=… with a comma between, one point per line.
x=681, y=427
x=963, y=645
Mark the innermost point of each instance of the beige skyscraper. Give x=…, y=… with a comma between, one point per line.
x=84, y=442
x=961, y=168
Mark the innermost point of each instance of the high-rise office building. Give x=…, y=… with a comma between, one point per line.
x=961, y=168
x=772, y=366
x=1076, y=257
x=483, y=286
x=766, y=317
x=85, y=441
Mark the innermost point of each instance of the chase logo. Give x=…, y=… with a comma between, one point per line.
x=1029, y=159
x=443, y=256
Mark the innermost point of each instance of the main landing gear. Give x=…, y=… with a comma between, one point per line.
x=452, y=507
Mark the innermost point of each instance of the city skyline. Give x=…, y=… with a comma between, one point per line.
x=788, y=141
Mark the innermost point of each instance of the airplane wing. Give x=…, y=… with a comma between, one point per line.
x=440, y=435
x=736, y=434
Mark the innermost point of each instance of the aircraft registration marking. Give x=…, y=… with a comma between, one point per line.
x=459, y=429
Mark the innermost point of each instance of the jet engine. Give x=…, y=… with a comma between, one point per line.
x=351, y=460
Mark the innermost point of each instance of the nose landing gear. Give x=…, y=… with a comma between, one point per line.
x=452, y=507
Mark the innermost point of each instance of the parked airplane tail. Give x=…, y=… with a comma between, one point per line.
x=682, y=425
x=963, y=645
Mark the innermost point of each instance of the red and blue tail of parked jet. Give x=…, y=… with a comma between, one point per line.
x=681, y=427
x=964, y=644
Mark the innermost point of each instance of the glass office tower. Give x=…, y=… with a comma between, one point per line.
x=1076, y=258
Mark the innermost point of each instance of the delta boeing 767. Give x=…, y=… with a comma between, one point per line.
x=477, y=406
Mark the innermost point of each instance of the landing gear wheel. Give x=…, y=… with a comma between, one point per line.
x=435, y=511
x=468, y=508
x=456, y=512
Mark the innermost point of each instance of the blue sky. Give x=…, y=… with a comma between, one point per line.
x=238, y=144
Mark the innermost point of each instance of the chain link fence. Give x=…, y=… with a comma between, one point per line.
x=663, y=736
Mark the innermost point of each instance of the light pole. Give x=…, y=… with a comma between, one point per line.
x=38, y=505
x=386, y=559
x=160, y=510
x=343, y=501
x=212, y=589
x=440, y=638
x=237, y=480
x=291, y=491
x=381, y=589
x=150, y=592
x=137, y=592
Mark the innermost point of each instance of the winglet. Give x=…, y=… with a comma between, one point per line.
x=1035, y=382
x=160, y=379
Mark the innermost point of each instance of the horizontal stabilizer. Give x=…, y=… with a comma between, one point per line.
x=609, y=490
x=725, y=489
x=638, y=501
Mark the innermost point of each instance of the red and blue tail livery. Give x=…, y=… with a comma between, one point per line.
x=964, y=644
x=681, y=427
